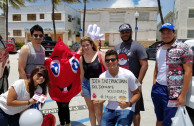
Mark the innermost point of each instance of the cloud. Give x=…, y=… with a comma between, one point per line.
x=122, y=3
x=147, y=3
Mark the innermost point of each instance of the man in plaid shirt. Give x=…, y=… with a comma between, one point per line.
x=172, y=75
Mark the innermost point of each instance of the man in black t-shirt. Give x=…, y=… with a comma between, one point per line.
x=132, y=56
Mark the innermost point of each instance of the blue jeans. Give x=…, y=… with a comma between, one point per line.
x=11, y=120
x=86, y=87
x=121, y=117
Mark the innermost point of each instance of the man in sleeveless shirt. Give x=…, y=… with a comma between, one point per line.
x=32, y=53
x=132, y=56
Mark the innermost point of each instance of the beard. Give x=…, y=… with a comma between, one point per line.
x=170, y=42
x=128, y=40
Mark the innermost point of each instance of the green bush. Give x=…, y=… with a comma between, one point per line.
x=19, y=45
x=106, y=43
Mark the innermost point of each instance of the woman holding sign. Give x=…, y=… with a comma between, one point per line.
x=90, y=67
x=19, y=96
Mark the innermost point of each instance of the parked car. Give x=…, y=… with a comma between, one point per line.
x=190, y=93
x=75, y=46
x=4, y=66
x=10, y=46
x=48, y=44
x=151, y=50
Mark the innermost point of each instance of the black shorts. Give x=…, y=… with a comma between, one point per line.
x=139, y=105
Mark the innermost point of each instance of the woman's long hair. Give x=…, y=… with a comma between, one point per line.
x=86, y=38
x=32, y=88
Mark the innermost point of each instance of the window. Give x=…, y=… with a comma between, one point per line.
x=17, y=32
x=31, y=17
x=69, y=18
x=191, y=13
x=57, y=16
x=78, y=21
x=143, y=16
x=16, y=17
x=69, y=34
x=41, y=16
x=117, y=17
x=190, y=34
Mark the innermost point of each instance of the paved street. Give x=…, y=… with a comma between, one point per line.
x=79, y=112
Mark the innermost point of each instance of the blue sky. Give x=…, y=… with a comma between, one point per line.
x=167, y=5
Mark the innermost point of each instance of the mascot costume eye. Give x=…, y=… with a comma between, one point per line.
x=64, y=73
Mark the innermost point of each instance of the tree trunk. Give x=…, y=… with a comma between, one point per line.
x=84, y=16
x=6, y=20
x=53, y=18
x=160, y=11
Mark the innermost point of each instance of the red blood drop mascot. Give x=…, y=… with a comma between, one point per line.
x=64, y=73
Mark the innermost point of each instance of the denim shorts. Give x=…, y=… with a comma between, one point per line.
x=122, y=117
x=160, y=100
x=86, y=87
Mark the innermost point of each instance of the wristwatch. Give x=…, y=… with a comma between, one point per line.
x=130, y=104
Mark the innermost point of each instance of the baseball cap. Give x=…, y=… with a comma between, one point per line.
x=124, y=27
x=168, y=26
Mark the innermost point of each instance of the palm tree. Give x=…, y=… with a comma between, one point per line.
x=54, y=3
x=84, y=15
x=160, y=11
x=16, y=4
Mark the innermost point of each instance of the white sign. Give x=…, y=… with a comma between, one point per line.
x=113, y=89
x=39, y=97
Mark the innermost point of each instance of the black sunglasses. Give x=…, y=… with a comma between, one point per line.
x=40, y=75
x=112, y=60
x=36, y=35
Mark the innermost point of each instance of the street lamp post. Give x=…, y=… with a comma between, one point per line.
x=136, y=28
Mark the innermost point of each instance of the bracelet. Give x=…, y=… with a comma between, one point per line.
x=130, y=104
x=28, y=102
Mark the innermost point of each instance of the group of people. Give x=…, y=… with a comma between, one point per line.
x=172, y=75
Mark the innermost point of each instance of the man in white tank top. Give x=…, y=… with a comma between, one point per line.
x=31, y=54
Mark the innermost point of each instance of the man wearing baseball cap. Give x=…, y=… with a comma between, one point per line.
x=172, y=75
x=136, y=62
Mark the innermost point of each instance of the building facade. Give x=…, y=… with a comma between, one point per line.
x=67, y=22
x=2, y=26
x=184, y=19
x=109, y=20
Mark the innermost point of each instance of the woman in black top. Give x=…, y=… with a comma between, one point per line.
x=90, y=67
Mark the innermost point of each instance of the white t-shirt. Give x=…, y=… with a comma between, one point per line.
x=20, y=89
x=161, y=62
x=132, y=82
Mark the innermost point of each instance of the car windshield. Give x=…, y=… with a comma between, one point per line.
x=155, y=44
x=8, y=41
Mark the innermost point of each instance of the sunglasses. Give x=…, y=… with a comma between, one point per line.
x=36, y=35
x=112, y=60
x=40, y=75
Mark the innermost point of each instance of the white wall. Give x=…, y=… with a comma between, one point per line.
x=109, y=20
x=182, y=22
